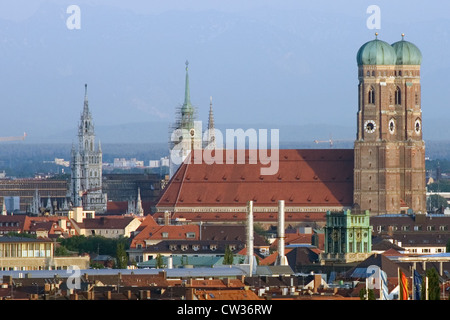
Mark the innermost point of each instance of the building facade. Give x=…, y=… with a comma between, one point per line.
x=33, y=194
x=348, y=236
x=18, y=253
x=86, y=177
x=389, y=174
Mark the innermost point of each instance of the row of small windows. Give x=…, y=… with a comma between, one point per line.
x=25, y=250
x=412, y=228
x=394, y=73
x=397, y=96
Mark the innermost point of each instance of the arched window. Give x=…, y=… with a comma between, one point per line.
x=371, y=97
x=398, y=96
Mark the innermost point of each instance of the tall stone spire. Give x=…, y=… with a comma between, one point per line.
x=187, y=94
x=211, y=141
x=86, y=102
x=139, y=209
x=211, y=115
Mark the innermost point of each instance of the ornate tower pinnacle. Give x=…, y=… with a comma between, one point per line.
x=211, y=141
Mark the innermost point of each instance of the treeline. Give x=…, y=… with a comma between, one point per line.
x=95, y=245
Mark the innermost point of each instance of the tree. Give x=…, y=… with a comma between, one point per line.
x=434, y=292
x=363, y=294
x=159, y=261
x=121, y=256
x=228, y=258
x=436, y=203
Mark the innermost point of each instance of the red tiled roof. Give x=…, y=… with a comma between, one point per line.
x=13, y=223
x=271, y=259
x=230, y=294
x=392, y=252
x=242, y=216
x=109, y=222
x=307, y=178
x=121, y=207
x=174, y=232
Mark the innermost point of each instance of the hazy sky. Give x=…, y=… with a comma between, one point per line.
x=267, y=62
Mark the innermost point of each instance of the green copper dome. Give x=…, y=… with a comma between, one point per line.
x=407, y=53
x=376, y=52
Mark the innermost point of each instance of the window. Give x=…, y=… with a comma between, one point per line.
x=398, y=96
x=190, y=235
x=165, y=234
x=371, y=95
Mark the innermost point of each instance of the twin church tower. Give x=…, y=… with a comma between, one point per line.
x=389, y=152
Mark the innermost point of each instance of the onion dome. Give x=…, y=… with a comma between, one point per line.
x=407, y=53
x=376, y=52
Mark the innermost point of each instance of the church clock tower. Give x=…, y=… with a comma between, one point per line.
x=389, y=173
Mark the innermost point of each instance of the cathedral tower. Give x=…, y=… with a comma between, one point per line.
x=389, y=173
x=184, y=135
x=86, y=165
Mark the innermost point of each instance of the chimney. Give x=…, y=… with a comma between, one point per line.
x=127, y=294
x=108, y=295
x=166, y=218
x=250, y=236
x=8, y=280
x=144, y=294
x=163, y=274
x=317, y=282
x=281, y=259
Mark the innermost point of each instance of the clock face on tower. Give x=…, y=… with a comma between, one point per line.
x=192, y=132
x=370, y=126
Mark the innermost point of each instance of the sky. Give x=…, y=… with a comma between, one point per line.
x=283, y=65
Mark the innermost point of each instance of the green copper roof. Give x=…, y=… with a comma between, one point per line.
x=407, y=53
x=376, y=52
x=187, y=106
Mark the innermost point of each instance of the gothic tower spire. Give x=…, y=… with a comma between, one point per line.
x=86, y=102
x=211, y=141
x=86, y=186
x=184, y=136
x=187, y=94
